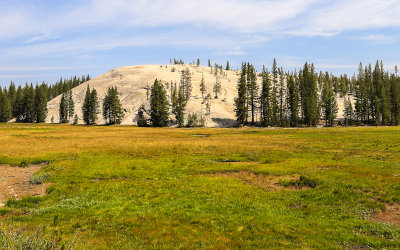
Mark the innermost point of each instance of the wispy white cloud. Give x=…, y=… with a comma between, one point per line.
x=377, y=39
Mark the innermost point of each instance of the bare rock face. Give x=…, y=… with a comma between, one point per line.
x=134, y=82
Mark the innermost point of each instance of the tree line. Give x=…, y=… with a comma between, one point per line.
x=29, y=103
x=305, y=98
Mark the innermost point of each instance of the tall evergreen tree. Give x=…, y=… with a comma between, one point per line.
x=309, y=95
x=63, y=109
x=265, y=99
x=40, y=104
x=186, y=83
x=252, y=91
x=18, y=107
x=348, y=112
x=217, y=87
x=329, y=104
x=29, y=104
x=178, y=103
x=241, y=101
x=112, y=107
x=293, y=100
x=5, y=107
x=202, y=86
x=158, y=105
x=228, y=67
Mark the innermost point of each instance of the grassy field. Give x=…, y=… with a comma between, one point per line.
x=128, y=187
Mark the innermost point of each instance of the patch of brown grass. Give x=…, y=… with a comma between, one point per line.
x=390, y=215
x=267, y=182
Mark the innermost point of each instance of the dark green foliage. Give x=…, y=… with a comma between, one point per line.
x=265, y=99
x=158, y=105
x=241, y=100
x=252, y=91
x=228, y=67
x=90, y=107
x=202, y=87
x=142, y=121
x=309, y=95
x=178, y=105
x=40, y=103
x=348, y=112
x=63, y=109
x=5, y=107
x=194, y=121
x=28, y=104
x=186, y=83
x=112, y=107
x=76, y=120
x=328, y=101
x=293, y=100
x=217, y=87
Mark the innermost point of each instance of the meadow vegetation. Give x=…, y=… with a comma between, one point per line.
x=129, y=187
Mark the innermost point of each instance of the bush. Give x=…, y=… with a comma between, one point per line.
x=194, y=122
x=39, y=178
x=303, y=181
x=26, y=202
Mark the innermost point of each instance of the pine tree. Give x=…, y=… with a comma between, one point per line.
x=5, y=107
x=209, y=63
x=227, y=66
x=329, y=104
x=94, y=107
x=265, y=99
x=18, y=107
x=252, y=91
x=309, y=95
x=241, y=100
x=293, y=100
x=63, y=109
x=198, y=62
x=112, y=107
x=29, y=104
x=202, y=86
x=141, y=121
x=158, y=105
x=40, y=104
x=70, y=105
x=274, y=107
x=217, y=87
x=348, y=112
x=86, y=107
x=178, y=104
x=395, y=99
x=281, y=97
x=186, y=83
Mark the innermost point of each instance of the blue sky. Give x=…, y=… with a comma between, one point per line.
x=44, y=40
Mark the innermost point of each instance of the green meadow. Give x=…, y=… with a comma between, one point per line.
x=128, y=187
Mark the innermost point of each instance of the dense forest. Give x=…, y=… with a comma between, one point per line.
x=29, y=103
x=304, y=98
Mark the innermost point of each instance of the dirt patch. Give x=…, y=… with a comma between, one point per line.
x=269, y=182
x=391, y=215
x=14, y=183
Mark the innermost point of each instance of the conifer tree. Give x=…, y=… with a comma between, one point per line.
x=29, y=104
x=348, y=112
x=71, y=105
x=265, y=99
x=309, y=95
x=274, y=107
x=158, y=105
x=141, y=121
x=329, y=104
x=217, y=87
x=40, y=104
x=186, y=83
x=94, y=107
x=241, y=100
x=227, y=66
x=18, y=108
x=5, y=107
x=178, y=103
x=252, y=91
x=63, y=109
x=112, y=107
x=198, y=62
x=209, y=63
x=202, y=86
x=293, y=100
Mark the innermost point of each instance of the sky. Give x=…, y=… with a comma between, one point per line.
x=43, y=40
